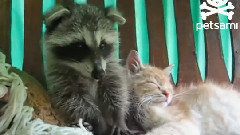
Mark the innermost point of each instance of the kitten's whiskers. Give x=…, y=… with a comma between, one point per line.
x=182, y=94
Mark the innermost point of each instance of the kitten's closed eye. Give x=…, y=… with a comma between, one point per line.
x=154, y=84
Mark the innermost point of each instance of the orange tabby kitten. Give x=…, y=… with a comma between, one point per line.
x=204, y=109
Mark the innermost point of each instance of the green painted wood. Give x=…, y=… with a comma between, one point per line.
x=226, y=46
x=142, y=30
x=188, y=69
x=158, y=49
x=17, y=33
x=81, y=1
x=216, y=69
x=110, y=3
x=236, y=43
x=47, y=5
x=199, y=37
x=127, y=31
x=113, y=3
x=171, y=36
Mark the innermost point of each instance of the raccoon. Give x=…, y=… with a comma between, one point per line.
x=84, y=78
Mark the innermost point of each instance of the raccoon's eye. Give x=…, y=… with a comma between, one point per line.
x=102, y=46
x=78, y=44
x=81, y=44
x=105, y=49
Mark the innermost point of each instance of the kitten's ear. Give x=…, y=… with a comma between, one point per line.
x=134, y=63
x=168, y=70
x=55, y=15
x=115, y=15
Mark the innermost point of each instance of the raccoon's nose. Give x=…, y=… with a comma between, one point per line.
x=98, y=73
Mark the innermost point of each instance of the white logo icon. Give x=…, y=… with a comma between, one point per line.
x=217, y=8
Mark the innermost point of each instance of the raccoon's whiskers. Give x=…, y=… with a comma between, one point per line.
x=75, y=60
x=87, y=69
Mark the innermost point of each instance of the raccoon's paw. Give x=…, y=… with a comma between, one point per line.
x=132, y=132
x=88, y=126
x=74, y=124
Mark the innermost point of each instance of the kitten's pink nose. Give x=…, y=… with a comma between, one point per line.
x=166, y=94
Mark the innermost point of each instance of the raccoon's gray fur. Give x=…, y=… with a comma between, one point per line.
x=85, y=80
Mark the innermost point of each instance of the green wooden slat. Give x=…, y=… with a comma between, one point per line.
x=199, y=37
x=142, y=30
x=17, y=33
x=110, y=3
x=113, y=3
x=171, y=36
x=47, y=5
x=81, y=1
x=227, y=47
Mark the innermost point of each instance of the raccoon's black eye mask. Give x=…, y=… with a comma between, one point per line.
x=75, y=52
x=78, y=51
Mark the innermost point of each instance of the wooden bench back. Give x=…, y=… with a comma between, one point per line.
x=168, y=36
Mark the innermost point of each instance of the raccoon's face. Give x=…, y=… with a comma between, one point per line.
x=82, y=37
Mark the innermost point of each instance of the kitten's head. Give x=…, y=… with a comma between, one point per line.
x=151, y=85
x=82, y=37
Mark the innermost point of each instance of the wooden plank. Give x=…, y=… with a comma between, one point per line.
x=5, y=25
x=59, y=1
x=216, y=69
x=96, y=2
x=127, y=31
x=236, y=42
x=33, y=62
x=188, y=69
x=64, y=2
x=158, y=49
x=142, y=31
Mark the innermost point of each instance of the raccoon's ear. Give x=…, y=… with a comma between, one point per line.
x=55, y=15
x=134, y=63
x=115, y=15
x=168, y=70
